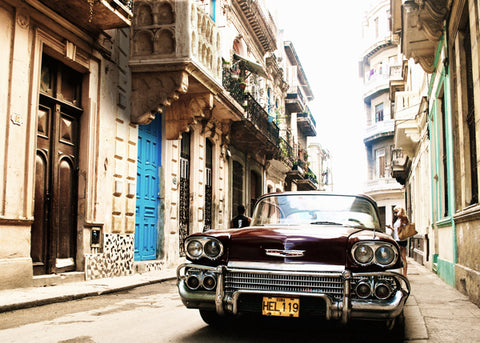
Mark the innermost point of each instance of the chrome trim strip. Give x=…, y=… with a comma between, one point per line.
x=296, y=267
x=219, y=294
x=346, y=301
x=284, y=253
x=376, y=309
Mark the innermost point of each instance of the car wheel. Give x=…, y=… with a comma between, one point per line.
x=396, y=328
x=211, y=317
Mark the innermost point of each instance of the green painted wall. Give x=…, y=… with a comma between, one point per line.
x=440, y=84
x=446, y=271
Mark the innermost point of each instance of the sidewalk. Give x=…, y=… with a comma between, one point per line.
x=435, y=311
x=20, y=298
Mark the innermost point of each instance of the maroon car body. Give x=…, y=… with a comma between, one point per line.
x=307, y=254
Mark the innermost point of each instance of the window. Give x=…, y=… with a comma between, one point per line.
x=237, y=196
x=381, y=212
x=443, y=153
x=380, y=163
x=470, y=117
x=208, y=186
x=379, y=112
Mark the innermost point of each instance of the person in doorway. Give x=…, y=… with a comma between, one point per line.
x=241, y=220
x=402, y=220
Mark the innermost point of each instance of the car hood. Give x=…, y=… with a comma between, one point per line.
x=326, y=244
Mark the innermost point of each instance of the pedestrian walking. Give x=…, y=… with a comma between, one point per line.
x=402, y=221
x=241, y=220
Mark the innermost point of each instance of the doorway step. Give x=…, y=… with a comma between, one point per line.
x=57, y=279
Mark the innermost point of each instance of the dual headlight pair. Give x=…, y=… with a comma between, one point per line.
x=380, y=253
x=198, y=247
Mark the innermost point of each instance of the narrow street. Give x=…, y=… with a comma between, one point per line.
x=155, y=313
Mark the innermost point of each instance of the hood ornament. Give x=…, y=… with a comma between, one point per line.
x=284, y=253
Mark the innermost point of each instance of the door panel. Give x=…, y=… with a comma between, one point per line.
x=39, y=227
x=148, y=188
x=53, y=247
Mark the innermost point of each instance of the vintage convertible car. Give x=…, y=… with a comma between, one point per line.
x=307, y=254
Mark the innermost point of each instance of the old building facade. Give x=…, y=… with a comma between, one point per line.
x=68, y=162
x=442, y=36
x=380, y=64
x=131, y=124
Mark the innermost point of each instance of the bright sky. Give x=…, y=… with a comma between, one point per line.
x=327, y=38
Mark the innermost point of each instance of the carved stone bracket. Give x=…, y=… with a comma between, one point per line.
x=431, y=16
x=423, y=27
x=187, y=110
x=152, y=91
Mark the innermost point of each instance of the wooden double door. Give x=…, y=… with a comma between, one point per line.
x=54, y=231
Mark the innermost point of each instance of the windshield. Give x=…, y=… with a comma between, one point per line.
x=316, y=209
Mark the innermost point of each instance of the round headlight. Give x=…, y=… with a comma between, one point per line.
x=194, y=249
x=209, y=282
x=384, y=255
x=363, y=289
x=382, y=290
x=363, y=254
x=212, y=248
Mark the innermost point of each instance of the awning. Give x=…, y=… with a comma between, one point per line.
x=251, y=66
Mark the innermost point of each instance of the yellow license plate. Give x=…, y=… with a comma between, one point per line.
x=281, y=307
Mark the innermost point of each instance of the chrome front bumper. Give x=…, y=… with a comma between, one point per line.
x=344, y=309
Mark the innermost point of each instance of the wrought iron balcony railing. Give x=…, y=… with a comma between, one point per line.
x=286, y=150
x=255, y=113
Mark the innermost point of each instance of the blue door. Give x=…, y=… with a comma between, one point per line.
x=148, y=190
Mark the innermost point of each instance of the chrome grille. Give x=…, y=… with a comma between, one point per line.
x=298, y=283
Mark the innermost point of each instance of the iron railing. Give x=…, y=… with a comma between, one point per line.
x=126, y=3
x=255, y=113
x=307, y=115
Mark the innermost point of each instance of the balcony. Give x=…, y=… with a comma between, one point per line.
x=94, y=16
x=382, y=185
x=309, y=182
x=379, y=130
x=176, y=66
x=295, y=101
x=377, y=44
x=158, y=40
x=254, y=132
x=376, y=83
x=287, y=154
x=408, y=121
x=421, y=24
x=306, y=124
x=400, y=166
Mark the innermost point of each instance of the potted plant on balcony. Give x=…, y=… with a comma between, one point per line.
x=295, y=165
x=226, y=64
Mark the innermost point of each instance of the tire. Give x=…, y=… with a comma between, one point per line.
x=211, y=318
x=396, y=328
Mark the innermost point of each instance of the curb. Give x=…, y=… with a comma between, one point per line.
x=79, y=295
